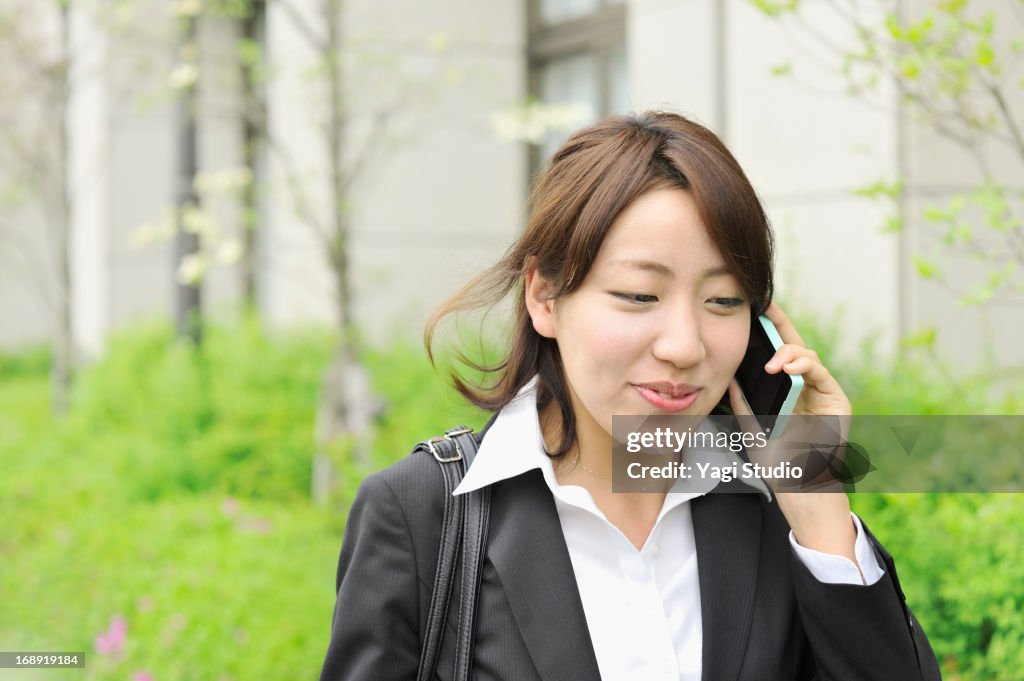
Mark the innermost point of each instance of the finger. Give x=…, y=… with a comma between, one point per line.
x=741, y=408
x=788, y=353
x=814, y=373
x=797, y=360
x=785, y=327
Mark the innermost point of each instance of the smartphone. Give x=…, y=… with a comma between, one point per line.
x=771, y=396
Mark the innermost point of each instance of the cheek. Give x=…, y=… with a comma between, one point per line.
x=599, y=348
x=728, y=341
x=593, y=334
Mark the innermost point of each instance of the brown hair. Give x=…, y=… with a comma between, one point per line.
x=591, y=178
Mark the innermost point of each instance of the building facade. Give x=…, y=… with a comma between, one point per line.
x=444, y=193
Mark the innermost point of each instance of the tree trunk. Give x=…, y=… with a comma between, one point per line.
x=347, y=404
x=344, y=420
x=60, y=217
x=187, y=295
x=251, y=141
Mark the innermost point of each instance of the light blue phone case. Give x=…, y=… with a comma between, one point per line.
x=798, y=381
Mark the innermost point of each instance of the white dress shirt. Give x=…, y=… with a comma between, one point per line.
x=642, y=606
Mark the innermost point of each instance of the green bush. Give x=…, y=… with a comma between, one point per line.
x=32, y=362
x=175, y=495
x=961, y=563
x=234, y=417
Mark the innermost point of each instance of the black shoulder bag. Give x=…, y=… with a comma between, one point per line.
x=464, y=525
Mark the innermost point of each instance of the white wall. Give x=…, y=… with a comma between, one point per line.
x=28, y=290
x=443, y=197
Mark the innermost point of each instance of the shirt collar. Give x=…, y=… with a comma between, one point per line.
x=514, y=445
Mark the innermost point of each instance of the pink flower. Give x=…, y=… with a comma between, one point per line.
x=111, y=641
x=142, y=676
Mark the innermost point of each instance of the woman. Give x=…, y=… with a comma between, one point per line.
x=645, y=255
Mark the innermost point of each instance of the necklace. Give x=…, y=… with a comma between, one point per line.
x=591, y=471
x=579, y=462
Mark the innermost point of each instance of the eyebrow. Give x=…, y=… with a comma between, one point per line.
x=665, y=270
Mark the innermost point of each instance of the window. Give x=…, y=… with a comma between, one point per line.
x=577, y=58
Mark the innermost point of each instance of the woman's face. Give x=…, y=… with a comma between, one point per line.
x=657, y=327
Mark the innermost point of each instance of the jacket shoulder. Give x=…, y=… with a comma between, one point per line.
x=415, y=486
x=414, y=480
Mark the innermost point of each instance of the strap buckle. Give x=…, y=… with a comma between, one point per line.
x=450, y=435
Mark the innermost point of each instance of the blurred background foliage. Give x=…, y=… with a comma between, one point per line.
x=164, y=525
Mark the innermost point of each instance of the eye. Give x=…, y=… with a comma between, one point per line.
x=635, y=298
x=727, y=303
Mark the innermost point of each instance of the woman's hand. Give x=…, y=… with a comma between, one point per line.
x=822, y=395
x=819, y=520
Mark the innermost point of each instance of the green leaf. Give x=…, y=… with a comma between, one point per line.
x=961, y=233
x=988, y=23
x=979, y=295
x=916, y=33
x=984, y=55
x=925, y=268
x=250, y=52
x=952, y=6
x=925, y=338
x=893, y=223
x=880, y=189
x=782, y=69
x=955, y=205
x=892, y=24
x=910, y=66
x=775, y=8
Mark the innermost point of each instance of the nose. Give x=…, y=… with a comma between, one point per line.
x=679, y=340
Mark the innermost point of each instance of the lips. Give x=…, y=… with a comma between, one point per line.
x=670, y=397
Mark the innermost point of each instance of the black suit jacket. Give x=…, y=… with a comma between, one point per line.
x=765, y=617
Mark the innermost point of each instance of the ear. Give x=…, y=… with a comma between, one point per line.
x=539, y=302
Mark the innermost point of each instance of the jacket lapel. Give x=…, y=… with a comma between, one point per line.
x=528, y=551
x=727, y=533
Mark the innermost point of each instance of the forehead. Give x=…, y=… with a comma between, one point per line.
x=660, y=230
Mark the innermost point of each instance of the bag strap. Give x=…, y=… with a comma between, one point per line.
x=463, y=525
x=474, y=537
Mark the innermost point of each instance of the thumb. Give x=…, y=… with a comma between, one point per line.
x=738, y=400
x=741, y=408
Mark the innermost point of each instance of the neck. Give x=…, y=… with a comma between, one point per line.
x=592, y=447
x=589, y=465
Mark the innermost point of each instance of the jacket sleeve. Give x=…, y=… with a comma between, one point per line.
x=375, y=631
x=863, y=633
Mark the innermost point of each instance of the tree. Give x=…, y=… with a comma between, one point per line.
x=187, y=293
x=356, y=91
x=343, y=67
x=36, y=81
x=956, y=69
x=352, y=138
